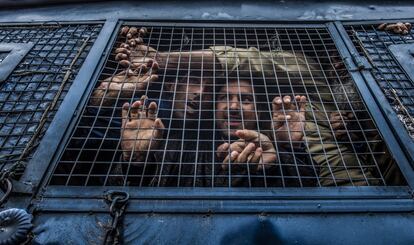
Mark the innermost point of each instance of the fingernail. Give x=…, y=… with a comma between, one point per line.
x=234, y=154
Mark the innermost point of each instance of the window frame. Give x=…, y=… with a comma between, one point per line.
x=387, y=111
x=149, y=199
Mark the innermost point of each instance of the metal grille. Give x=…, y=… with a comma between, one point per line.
x=204, y=93
x=396, y=85
x=33, y=92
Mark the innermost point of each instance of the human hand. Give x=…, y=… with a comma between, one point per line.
x=133, y=53
x=289, y=119
x=125, y=84
x=141, y=131
x=396, y=28
x=339, y=121
x=252, y=147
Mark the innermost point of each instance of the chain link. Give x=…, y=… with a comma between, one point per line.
x=6, y=185
x=117, y=201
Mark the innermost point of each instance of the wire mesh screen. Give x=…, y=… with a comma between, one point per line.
x=225, y=107
x=31, y=95
x=396, y=85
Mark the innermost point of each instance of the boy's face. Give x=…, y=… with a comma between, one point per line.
x=192, y=96
x=235, y=107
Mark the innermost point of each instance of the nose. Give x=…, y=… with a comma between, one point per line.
x=196, y=90
x=234, y=103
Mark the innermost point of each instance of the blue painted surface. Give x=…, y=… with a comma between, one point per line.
x=77, y=227
x=230, y=229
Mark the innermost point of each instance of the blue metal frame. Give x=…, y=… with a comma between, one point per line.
x=185, y=200
x=52, y=140
x=394, y=125
x=236, y=200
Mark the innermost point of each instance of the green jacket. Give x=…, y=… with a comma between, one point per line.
x=297, y=74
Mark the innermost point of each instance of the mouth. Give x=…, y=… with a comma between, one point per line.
x=193, y=106
x=233, y=121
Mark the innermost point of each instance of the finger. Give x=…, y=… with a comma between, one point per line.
x=340, y=121
x=237, y=146
x=143, y=31
x=229, y=159
x=242, y=158
x=154, y=66
x=121, y=56
x=256, y=156
x=338, y=125
x=132, y=42
x=140, y=67
x=302, y=103
x=129, y=73
x=132, y=32
x=124, y=30
x=225, y=163
x=152, y=110
x=143, y=100
x=338, y=118
x=222, y=150
x=125, y=63
x=389, y=27
x=158, y=124
x=153, y=78
x=124, y=45
x=296, y=104
x=276, y=105
x=233, y=156
x=136, y=106
x=139, y=40
x=249, y=135
x=122, y=50
x=382, y=26
x=286, y=102
x=125, y=109
x=334, y=115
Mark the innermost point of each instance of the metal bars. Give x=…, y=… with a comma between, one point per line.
x=225, y=107
x=33, y=92
x=393, y=80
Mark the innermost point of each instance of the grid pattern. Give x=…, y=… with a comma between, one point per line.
x=208, y=107
x=396, y=85
x=33, y=92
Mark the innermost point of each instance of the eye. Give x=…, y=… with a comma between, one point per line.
x=221, y=97
x=247, y=98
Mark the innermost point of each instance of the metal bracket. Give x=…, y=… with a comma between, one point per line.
x=15, y=53
x=361, y=62
x=404, y=54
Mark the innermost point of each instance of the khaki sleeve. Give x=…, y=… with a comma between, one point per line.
x=269, y=64
x=338, y=164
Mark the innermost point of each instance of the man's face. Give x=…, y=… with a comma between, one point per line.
x=192, y=96
x=235, y=108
